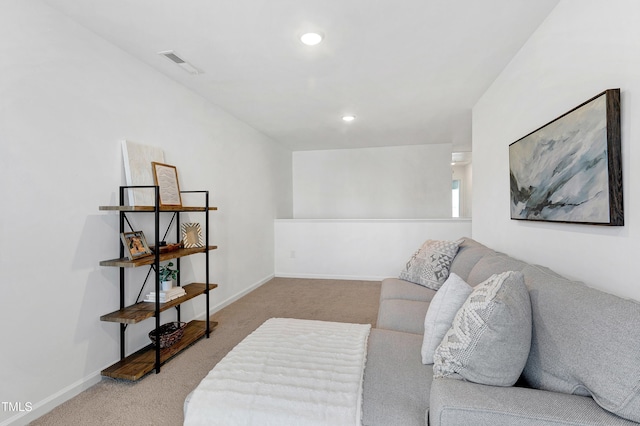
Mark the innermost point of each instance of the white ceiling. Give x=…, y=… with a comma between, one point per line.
x=410, y=70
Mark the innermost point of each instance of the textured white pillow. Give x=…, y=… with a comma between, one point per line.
x=429, y=265
x=490, y=336
x=442, y=309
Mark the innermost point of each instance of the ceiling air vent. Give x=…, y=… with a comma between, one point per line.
x=171, y=55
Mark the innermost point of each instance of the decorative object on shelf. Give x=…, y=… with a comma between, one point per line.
x=570, y=170
x=166, y=177
x=135, y=245
x=170, y=333
x=192, y=235
x=137, y=158
x=167, y=275
x=166, y=248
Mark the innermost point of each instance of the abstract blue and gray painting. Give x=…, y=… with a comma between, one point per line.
x=560, y=172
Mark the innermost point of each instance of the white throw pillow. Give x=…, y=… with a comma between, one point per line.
x=429, y=265
x=442, y=310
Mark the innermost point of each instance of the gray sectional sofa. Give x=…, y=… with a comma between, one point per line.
x=583, y=366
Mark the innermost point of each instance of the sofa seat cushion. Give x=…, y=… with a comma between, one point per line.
x=489, y=339
x=396, y=383
x=454, y=402
x=402, y=315
x=584, y=341
x=395, y=288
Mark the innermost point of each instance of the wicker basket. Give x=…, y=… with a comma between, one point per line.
x=170, y=333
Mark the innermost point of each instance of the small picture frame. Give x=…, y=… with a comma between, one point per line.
x=135, y=245
x=165, y=177
x=192, y=235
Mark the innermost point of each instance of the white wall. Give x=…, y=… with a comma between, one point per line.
x=67, y=99
x=464, y=174
x=355, y=249
x=582, y=48
x=381, y=183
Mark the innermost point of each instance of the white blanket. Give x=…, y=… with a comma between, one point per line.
x=287, y=372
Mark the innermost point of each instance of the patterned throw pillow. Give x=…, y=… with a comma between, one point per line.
x=429, y=266
x=490, y=337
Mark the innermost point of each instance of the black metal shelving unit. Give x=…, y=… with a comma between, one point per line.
x=151, y=357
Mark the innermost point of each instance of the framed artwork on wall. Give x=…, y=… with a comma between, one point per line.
x=570, y=170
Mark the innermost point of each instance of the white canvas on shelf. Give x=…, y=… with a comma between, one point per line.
x=138, y=171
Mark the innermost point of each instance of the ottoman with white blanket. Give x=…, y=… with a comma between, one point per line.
x=287, y=372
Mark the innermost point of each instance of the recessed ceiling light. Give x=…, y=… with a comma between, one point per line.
x=348, y=118
x=311, y=39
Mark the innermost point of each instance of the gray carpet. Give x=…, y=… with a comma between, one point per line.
x=158, y=399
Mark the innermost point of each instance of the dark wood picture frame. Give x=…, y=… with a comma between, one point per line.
x=570, y=169
x=135, y=245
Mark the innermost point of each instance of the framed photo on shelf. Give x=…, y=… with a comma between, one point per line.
x=166, y=177
x=192, y=235
x=135, y=245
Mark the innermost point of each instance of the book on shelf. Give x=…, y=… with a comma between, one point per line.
x=166, y=295
x=172, y=291
x=152, y=298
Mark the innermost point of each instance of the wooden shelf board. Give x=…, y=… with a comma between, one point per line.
x=150, y=259
x=152, y=208
x=141, y=311
x=140, y=363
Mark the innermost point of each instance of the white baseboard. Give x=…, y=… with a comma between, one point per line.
x=230, y=300
x=331, y=277
x=43, y=407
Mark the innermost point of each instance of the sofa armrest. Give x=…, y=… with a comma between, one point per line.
x=455, y=402
x=402, y=315
x=395, y=288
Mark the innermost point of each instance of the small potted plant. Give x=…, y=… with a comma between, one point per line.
x=167, y=275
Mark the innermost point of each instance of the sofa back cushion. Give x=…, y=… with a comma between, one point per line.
x=469, y=253
x=491, y=264
x=584, y=342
